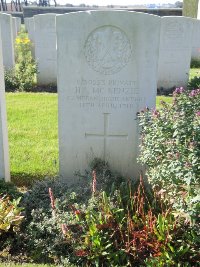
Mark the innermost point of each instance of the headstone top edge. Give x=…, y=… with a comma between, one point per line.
x=177, y=17
x=103, y=12
x=44, y=15
x=5, y=14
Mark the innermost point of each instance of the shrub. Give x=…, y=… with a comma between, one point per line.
x=9, y=189
x=10, y=217
x=107, y=179
x=44, y=240
x=170, y=148
x=43, y=233
x=126, y=225
x=194, y=83
x=38, y=197
x=195, y=63
x=11, y=82
x=25, y=69
x=10, y=221
x=22, y=77
x=120, y=229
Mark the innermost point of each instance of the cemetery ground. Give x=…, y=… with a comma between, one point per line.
x=33, y=138
x=32, y=127
x=33, y=134
x=103, y=219
x=50, y=232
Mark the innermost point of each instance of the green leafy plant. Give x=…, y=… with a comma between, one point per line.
x=194, y=83
x=11, y=82
x=23, y=76
x=9, y=189
x=170, y=148
x=195, y=63
x=10, y=215
x=25, y=69
x=37, y=198
x=42, y=229
x=126, y=227
x=10, y=222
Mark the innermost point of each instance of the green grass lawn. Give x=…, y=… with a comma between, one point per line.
x=33, y=138
x=33, y=135
x=167, y=99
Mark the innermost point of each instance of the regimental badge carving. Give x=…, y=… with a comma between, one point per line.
x=107, y=50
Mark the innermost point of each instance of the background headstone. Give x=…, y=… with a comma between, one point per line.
x=45, y=48
x=7, y=40
x=26, y=22
x=196, y=40
x=30, y=27
x=18, y=22
x=14, y=30
x=175, y=52
x=4, y=157
x=107, y=72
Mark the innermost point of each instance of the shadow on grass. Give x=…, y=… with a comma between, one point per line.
x=27, y=179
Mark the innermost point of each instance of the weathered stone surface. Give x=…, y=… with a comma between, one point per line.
x=14, y=30
x=45, y=48
x=30, y=27
x=107, y=72
x=196, y=40
x=4, y=158
x=7, y=40
x=175, y=52
x=18, y=22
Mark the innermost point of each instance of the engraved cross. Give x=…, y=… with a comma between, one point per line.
x=105, y=135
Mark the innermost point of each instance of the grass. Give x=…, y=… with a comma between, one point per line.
x=33, y=138
x=167, y=99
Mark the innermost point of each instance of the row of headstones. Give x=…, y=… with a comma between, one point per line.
x=10, y=26
x=179, y=42
x=107, y=67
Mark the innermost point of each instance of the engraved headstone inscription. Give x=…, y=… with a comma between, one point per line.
x=4, y=158
x=106, y=73
x=45, y=48
x=175, y=52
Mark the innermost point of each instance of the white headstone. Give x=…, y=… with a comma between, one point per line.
x=7, y=40
x=4, y=158
x=175, y=52
x=18, y=22
x=26, y=22
x=107, y=72
x=30, y=27
x=14, y=30
x=196, y=40
x=45, y=48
